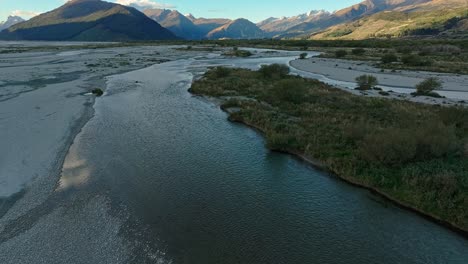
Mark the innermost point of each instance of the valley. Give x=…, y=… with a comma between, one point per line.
x=144, y=131
x=218, y=186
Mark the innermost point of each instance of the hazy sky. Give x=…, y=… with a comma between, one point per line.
x=254, y=10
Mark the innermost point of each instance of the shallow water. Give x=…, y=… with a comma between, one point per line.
x=203, y=190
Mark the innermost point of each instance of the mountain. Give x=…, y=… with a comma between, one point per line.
x=436, y=17
x=365, y=8
x=206, y=25
x=177, y=23
x=12, y=20
x=237, y=29
x=278, y=25
x=89, y=20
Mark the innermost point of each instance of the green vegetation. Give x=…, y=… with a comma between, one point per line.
x=98, y=92
x=274, y=71
x=341, y=53
x=415, y=60
x=427, y=87
x=389, y=58
x=413, y=153
x=236, y=52
x=358, y=51
x=366, y=82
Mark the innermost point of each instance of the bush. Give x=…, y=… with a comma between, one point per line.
x=428, y=85
x=302, y=56
x=390, y=147
x=465, y=150
x=389, y=58
x=291, y=90
x=98, y=92
x=366, y=82
x=274, y=71
x=404, y=50
x=396, y=146
x=415, y=60
x=358, y=51
x=222, y=72
x=341, y=53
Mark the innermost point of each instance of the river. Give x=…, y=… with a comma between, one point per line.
x=170, y=180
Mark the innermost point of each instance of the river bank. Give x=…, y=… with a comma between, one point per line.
x=157, y=175
x=401, y=82
x=295, y=127
x=322, y=166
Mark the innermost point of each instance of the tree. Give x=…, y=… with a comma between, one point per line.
x=428, y=86
x=366, y=82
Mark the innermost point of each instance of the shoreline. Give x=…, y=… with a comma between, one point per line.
x=321, y=166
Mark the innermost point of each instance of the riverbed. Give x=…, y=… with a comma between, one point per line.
x=159, y=176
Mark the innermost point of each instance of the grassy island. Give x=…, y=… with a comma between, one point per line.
x=414, y=154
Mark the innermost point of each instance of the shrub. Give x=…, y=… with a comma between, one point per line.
x=396, y=146
x=366, y=82
x=450, y=49
x=390, y=147
x=428, y=85
x=97, y=92
x=302, y=56
x=291, y=90
x=222, y=72
x=242, y=53
x=404, y=50
x=389, y=58
x=358, y=51
x=341, y=53
x=415, y=60
x=274, y=71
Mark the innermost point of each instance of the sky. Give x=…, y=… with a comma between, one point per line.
x=254, y=10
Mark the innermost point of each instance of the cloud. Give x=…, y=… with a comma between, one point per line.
x=24, y=13
x=143, y=4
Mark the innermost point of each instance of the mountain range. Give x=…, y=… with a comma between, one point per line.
x=99, y=20
x=89, y=20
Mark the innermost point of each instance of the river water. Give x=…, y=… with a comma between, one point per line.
x=199, y=189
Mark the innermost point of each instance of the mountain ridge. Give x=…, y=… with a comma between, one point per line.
x=89, y=20
x=238, y=29
x=11, y=21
